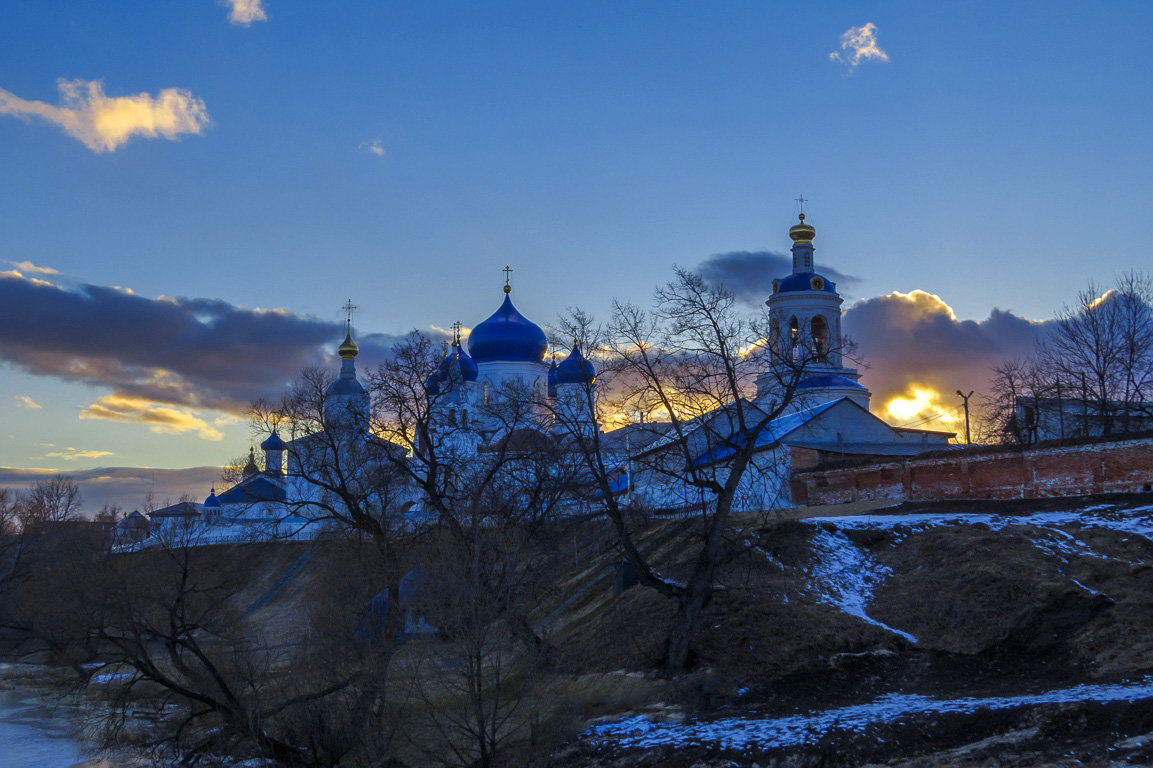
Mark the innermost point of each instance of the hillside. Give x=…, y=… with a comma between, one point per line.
x=964, y=632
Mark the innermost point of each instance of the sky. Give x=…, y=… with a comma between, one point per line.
x=189, y=192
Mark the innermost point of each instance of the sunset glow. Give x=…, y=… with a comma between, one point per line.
x=920, y=403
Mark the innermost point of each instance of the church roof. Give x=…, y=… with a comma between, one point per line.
x=829, y=381
x=273, y=443
x=803, y=281
x=346, y=386
x=576, y=369
x=252, y=490
x=457, y=366
x=507, y=335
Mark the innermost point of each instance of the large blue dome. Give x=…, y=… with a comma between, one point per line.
x=507, y=336
x=576, y=369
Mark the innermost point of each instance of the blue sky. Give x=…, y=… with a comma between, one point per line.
x=998, y=159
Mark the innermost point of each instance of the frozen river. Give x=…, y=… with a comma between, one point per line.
x=34, y=735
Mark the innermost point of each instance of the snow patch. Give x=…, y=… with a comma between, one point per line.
x=794, y=730
x=844, y=576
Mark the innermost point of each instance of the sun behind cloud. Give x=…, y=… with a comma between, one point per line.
x=103, y=123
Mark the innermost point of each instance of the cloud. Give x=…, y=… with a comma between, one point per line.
x=190, y=353
x=126, y=486
x=71, y=454
x=30, y=268
x=27, y=402
x=859, y=44
x=243, y=12
x=161, y=419
x=102, y=123
x=915, y=339
x=372, y=147
x=750, y=274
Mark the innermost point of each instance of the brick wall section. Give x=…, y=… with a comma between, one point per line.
x=1114, y=467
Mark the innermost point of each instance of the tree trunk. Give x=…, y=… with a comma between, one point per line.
x=690, y=608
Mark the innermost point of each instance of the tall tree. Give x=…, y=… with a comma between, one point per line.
x=682, y=376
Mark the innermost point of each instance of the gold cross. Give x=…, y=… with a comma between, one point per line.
x=348, y=310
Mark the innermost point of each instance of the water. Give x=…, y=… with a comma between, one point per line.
x=36, y=735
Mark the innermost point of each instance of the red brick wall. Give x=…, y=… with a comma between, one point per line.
x=1120, y=466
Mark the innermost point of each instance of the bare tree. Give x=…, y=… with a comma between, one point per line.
x=683, y=375
x=53, y=500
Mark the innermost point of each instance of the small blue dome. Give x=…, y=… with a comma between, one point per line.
x=273, y=443
x=346, y=386
x=212, y=502
x=576, y=369
x=828, y=381
x=457, y=365
x=432, y=385
x=507, y=335
x=552, y=379
x=803, y=281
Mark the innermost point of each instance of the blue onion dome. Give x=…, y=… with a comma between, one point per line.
x=457, y=366
x=804, y=281
x=250, y=468
x=432, y=385
x=346, y=385
x=212, y=502
x=507, y=335
x=273, y=443
x=552, y=378
x=576, y=369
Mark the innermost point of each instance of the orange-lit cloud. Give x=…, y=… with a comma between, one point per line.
x=859, y=44
x=26, y=402
x=71, y=454
x=102, y=123
x=243, y=12
x=161, y=419
x=915, y=340
x=32, y=269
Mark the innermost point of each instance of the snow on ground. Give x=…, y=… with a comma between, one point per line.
x=795, y=730
x=1137, y=521
x=844, y=576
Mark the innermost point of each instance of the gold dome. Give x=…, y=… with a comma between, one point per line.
x=802, y=233
x=348, y=349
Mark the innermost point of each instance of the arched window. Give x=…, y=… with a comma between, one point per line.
x=794, y=331
x=820, y=337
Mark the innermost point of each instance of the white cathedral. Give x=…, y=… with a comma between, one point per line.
x=828, y=420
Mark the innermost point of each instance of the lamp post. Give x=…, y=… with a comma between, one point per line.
x=965, y=397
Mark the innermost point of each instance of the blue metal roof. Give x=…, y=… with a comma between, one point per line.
x=255, y=489
x=576, y=369
x=828, y=381
x=457, y=365
x=803, y=281
x=767, y=437
x=507, y=335
x=273, y=443
x=349, y=386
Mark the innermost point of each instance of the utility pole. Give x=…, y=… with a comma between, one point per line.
x=965, y=397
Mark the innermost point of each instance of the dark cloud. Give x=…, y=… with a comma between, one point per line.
x=750, y=274
x=185, y=351
x=125, y=486
x=914, y=338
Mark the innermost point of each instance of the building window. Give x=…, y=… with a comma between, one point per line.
x=820, y=329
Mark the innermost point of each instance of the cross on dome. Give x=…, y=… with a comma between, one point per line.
x=507, y=271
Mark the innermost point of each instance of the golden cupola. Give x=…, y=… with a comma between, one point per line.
x=348, y=349
x=802, y=233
